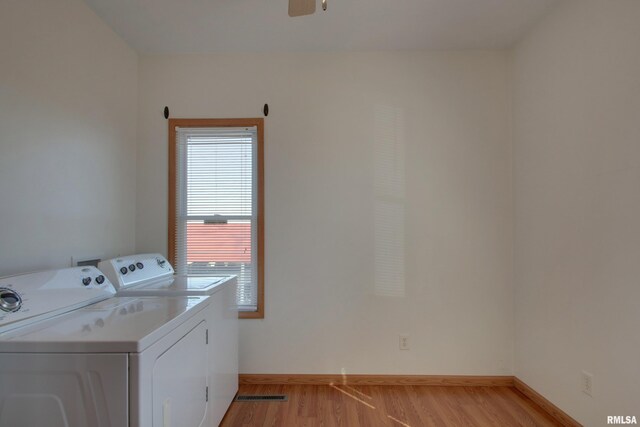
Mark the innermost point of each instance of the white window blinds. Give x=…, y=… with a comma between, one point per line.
x=216, y=199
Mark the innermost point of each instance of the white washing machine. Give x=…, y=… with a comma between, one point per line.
x=69, y=361
x=152, y=275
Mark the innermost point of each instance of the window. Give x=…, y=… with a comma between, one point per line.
x=216, y=203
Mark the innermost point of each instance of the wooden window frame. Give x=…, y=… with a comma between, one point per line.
x=205, y=123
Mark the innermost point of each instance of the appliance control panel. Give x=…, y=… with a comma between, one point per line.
x=30, y=296
x=135, y=270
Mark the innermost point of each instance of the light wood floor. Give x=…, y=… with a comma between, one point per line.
x=370, y=406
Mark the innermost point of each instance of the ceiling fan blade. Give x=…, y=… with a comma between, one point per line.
x=301, y=7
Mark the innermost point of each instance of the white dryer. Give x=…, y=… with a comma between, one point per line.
x=152, y=275
x=69, y=361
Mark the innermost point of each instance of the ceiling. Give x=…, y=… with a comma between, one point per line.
x=204, y=26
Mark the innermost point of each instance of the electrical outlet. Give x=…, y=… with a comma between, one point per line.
x=404, y=341
x=587, y=383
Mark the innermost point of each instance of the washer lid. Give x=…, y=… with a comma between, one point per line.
x=116, y=325
x=182, y=285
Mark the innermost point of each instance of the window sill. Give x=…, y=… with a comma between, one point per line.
x=251, y=314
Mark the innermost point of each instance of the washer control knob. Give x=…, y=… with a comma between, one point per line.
x=132, y=267
x=124, y=270
x=100, y=279
x=139, y=265
x=9, y=300
x=86, y=281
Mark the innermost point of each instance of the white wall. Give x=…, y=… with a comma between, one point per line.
x=365, y=153
x=68, y=117
x=577, y=188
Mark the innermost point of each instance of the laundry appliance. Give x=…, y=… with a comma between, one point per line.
x=151, y=274
x=73, y=355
